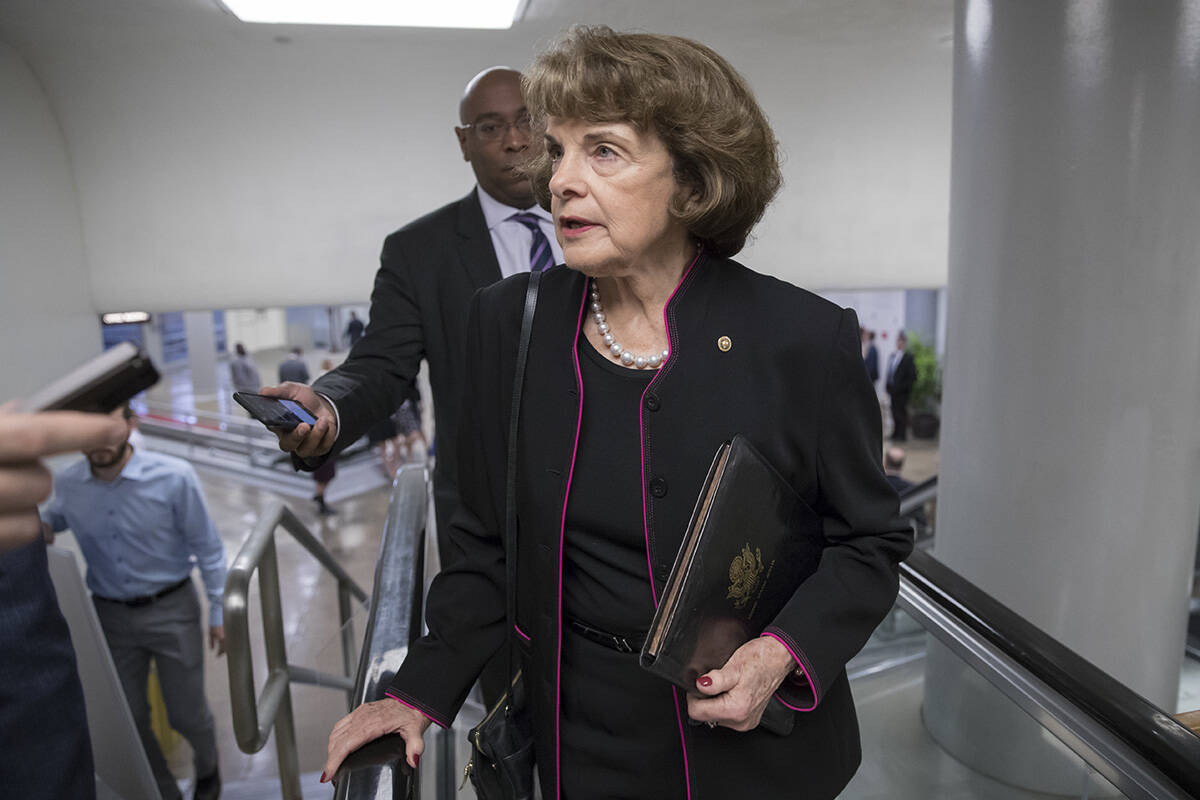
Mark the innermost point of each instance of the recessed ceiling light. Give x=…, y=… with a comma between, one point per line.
x=124, y=317
x=489, y=14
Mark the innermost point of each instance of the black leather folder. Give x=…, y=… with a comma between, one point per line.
x=750, y=542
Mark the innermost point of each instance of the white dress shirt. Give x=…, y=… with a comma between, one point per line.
x=511, y=240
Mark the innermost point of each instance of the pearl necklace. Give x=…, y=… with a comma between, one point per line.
x=618, y=352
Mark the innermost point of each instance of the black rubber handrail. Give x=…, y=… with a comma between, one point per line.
x=1144, y=727
x=393, y=623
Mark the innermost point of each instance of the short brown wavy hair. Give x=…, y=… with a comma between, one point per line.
x=725, y=153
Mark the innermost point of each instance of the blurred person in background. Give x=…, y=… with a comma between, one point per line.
x=901, y=377
x=893, y=464
x=354, y=329
x=398, y=439
x=141, y=522
x=870, y=356
x=293, y=367
x=242, y=371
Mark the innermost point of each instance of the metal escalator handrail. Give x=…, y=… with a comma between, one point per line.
x=1141, y=744
x=394, y=622
x=255, y=718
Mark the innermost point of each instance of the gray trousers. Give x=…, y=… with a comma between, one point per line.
x=168, y=630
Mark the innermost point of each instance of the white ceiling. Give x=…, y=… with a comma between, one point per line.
x=178, y=118
x=39, y=26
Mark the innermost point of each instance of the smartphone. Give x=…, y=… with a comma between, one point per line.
x=101, y=385
x=274, y=412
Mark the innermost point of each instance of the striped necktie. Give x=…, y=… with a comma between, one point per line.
x=541, y=257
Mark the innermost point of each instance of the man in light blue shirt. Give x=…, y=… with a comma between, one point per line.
x=141, y=522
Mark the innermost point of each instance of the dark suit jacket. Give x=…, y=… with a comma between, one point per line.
x=901, y=382
x=871, y=362
x=293, y=369
x=429, y=269
x=794, y=384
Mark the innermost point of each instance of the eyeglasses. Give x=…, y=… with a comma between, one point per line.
x=494, y=130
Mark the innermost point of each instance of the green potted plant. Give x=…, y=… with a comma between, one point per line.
x=926, y=398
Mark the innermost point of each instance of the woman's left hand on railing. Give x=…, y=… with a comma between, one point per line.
x=370, y=721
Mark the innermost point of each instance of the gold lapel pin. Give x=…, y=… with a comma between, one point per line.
x=724, y=344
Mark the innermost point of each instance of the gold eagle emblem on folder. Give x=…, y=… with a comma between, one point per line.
x=744, y=572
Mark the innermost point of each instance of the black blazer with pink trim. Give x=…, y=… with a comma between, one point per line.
x=792, y=382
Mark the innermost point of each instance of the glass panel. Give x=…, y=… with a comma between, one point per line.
x=112, y=335
x=988, y=749
x=174, y=337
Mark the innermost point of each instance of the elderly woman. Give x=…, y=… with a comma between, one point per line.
x=648, y=351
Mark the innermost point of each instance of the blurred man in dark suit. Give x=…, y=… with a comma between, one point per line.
x=870, y=356
x=901, y=375
x=293, y=367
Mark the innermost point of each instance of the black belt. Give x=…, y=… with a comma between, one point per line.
x=622, y=644
x=146, y=600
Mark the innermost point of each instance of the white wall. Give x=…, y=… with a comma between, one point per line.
x=257, y=328
x=45, y=303
x=221, y=168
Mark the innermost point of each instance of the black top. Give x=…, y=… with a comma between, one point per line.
x=793, y=383
x=606, y=581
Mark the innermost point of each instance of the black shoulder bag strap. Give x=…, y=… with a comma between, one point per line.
x=510, y=495
x=502, y=760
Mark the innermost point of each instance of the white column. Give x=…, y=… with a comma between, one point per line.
x=202, y=352
x=1070, y=471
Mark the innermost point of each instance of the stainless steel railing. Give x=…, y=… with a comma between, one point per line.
x=255, y=717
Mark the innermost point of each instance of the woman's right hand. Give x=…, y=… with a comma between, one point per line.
x=370, y=721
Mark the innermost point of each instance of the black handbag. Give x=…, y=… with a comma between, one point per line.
x=501, y=763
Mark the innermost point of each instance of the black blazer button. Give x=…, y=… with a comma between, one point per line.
x=652, y=402
x=658, y=486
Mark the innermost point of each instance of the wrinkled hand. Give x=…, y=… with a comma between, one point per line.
x=24, y=482
x=306, y=441
x=216, y=638
x=736, y=695
x=370, y=721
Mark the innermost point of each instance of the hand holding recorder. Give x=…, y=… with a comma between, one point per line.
x=52, y=423
x=306, y=440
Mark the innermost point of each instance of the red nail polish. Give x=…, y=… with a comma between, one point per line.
x=705, y=681
x=416, y=760
x=324, y=778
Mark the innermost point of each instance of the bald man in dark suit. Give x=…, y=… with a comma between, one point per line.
x=429, y=270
